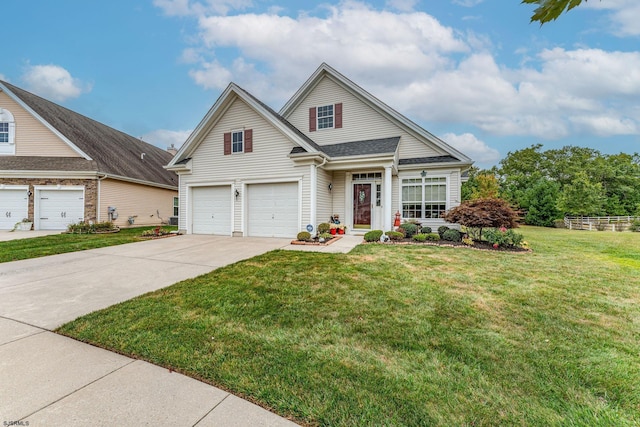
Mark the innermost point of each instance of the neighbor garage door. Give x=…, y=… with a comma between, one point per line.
x=58, y=208
x=273, y=209
x=14, y=205
x=211, y=209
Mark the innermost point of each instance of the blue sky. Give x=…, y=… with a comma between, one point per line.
x=474, y=72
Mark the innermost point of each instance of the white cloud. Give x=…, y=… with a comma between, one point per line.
x=188, y=7
x=361, y=42
x=624, y=15
x=467, y=3
x=53, y=82
x=402, y=5
x=164, y=138
x=478, y=150
x=424, y=69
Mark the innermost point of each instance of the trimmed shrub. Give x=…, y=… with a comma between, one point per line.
x=452, y=235
x=373, y=236
x=409, y=229
x=425, y=230
x=501, y=237
x=304, y=236
x=87, y=228
x=420, y=237
x=326, y=236
x=323, y=227
x=433, y=237
x=442, y=229
x=395, y=235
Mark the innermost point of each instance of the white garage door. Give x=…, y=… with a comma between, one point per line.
x=273, y=209
x=211, y=208
x=14, y=205
x=59, y=208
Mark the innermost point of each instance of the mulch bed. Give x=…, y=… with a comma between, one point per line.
x=481, y=246
x=315, y=242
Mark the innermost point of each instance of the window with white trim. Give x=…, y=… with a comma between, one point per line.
x=325, y=117
x=176, y=206
x=4, y=132
x=237, y=141
x=424, y=198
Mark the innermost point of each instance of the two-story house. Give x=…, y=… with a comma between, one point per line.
x=332, y=150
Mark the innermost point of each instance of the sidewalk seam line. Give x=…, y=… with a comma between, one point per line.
x=211, y=410
x=78, y=389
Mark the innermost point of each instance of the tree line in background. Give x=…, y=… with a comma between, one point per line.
x=546, y=185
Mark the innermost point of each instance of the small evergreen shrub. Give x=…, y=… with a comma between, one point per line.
x=373, y=236
x=425, y=230
x=420, y=237
x=433, y=237
x=304, y=236
x=323, y=227
x=452, y=235
x=503, y=238
x=442, y=229
x=409, y=229
x=395, y=235
x=326, y=236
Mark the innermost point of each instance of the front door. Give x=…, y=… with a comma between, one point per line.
x=362, y=206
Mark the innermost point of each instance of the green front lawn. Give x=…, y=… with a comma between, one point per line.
x=407, y=335
x=14, y=250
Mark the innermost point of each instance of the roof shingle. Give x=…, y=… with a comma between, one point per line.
x=113, y=152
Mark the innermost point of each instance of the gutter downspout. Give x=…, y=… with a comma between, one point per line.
x=99, y=196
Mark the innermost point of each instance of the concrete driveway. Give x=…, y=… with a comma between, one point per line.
x=48, y=379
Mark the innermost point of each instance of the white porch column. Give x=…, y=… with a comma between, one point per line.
x=386, y=190
x=313, y=194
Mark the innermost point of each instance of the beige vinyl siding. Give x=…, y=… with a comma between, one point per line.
x=32, y=137
x=338, y=193
x=269, y=161
x=138, y=200
x=324, y=196
x=359, y=122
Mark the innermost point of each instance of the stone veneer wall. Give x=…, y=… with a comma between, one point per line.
x=90, y=191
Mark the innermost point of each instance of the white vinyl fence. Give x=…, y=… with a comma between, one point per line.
x=599, y=223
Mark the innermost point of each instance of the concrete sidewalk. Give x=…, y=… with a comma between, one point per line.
x=52, y=380
x=48, y=379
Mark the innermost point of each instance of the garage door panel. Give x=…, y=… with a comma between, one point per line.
x=273, y=209
x=14, y=206
x=59, y=208
x=211, y=210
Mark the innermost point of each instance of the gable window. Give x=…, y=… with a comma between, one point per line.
x=236, y=141
x=424, y=198
x=4, y=132
x=325, y=117
x=7, y=132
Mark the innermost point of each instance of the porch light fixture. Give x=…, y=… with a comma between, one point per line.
x=423, y=173
x=330, y=186
x=237, y=194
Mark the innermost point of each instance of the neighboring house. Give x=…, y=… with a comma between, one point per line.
x=59, y=167
x=334, y=149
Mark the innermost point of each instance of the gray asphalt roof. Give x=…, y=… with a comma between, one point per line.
x=114, y=152
x=36, y=163
x=426, y=160
x=357, y=148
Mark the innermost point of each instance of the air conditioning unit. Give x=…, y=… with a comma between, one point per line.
x=173, y=220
